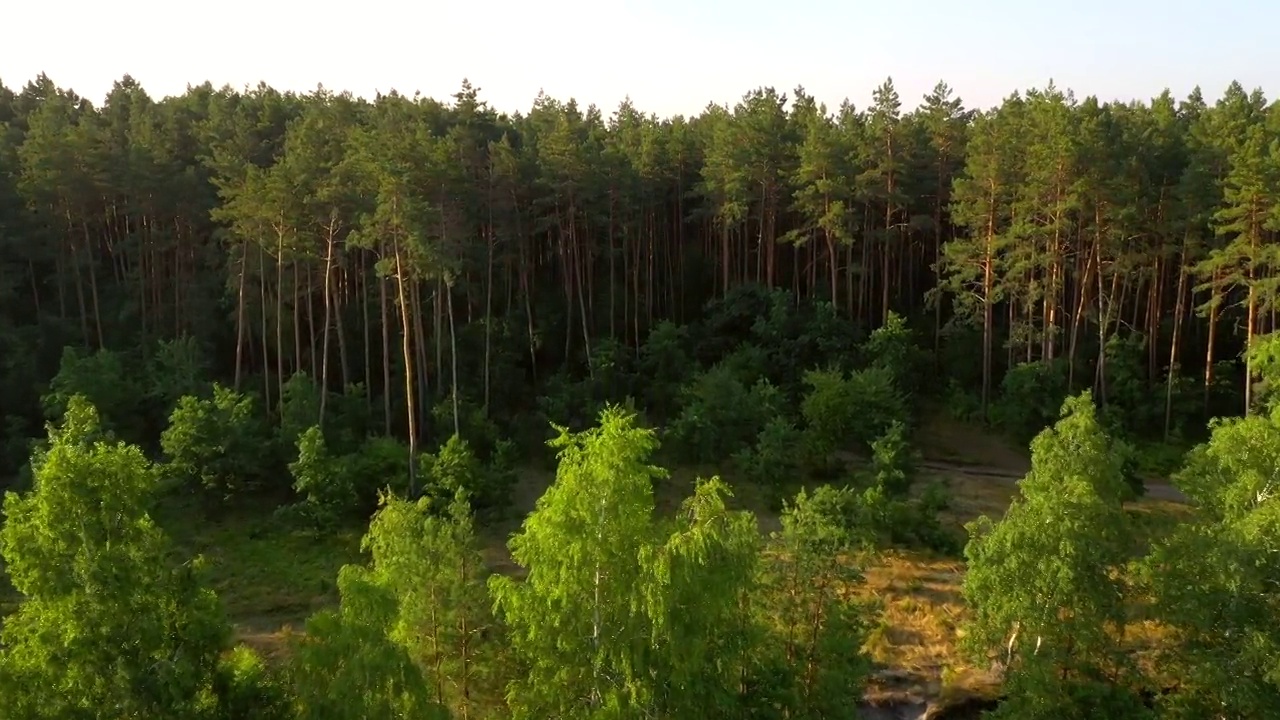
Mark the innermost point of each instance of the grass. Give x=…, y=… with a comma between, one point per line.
x=269, y=576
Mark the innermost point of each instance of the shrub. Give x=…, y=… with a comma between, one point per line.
x=893, y=348
x=1030, y=396
x=220, y=443
x=721, y=415
x=842, y=411
x=777, y=457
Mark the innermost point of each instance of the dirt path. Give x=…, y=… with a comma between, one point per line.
x=1156, y=490
x=954, y=447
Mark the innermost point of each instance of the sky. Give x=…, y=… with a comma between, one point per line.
x=669, y=56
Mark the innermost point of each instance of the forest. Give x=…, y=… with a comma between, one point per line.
x=315, y=406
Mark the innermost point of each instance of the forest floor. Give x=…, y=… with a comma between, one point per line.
x=272, y=577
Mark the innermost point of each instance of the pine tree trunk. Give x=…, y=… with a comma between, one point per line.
x=488, y=311
x=407, y=350
x=453, y=357
x=386, y=355
x=1173, y=344
x=240, y=303
x=328, y=320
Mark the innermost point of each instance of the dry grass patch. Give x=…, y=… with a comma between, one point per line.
x=921, y=609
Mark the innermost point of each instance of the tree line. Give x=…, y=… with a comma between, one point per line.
x=414, y=246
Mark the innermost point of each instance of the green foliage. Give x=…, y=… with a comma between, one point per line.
x=106, y=627
x=428, y=559
x=248, y=234
x=454, y=468
x=568, y=401
x=1213, y=578
x=1030, y=396
x=299, y=408
x=479, y=460
x=335, y=487
x=893, y=460
x=348, y=667
x=324, y=482
x=700, y=582
x=786, y=335
x=925, y=525
x=611, y=379
x=106, y=380
x=450, y=470
x=250, y=689
x=15, y=445
x=894, y=348
x=665, y=364
x=777, y=459
x=1264, y=358
x=220, y=445
x=178, y=367
x=961, y=403
x=476, y=427
x=747, y=363
x=730, y=321
x=810, y=571
x=721, y=415
x=573, y=621
x=1044, y=581
x=380, y=463
x=898, y=517
x=843, y=411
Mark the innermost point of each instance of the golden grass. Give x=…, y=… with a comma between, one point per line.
x=917, y=638
x=921, y=614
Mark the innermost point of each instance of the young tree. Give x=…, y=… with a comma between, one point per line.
x=1043, y=582
x=428, y=560
x=347, y=667
x=576, y=621
x=107, y=628
x=815, y=632
x=699, y=598
x=1213, y=580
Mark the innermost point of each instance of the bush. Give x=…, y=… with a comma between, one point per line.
x=454, y=467
x=842, y=411
x=1031, y=395
x=381, y=463
x=777, y=458
x=722, y=415
x=220, y=443
x=106, y=380
x=893, y=461
x=248, y=689
x=665, y=364
x=299, y=407
x=177, y=368
x=323, y=480
x=893, y=348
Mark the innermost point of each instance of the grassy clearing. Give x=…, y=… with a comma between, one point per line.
x=269, y=575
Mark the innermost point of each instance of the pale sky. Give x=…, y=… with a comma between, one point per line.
x=670, y=56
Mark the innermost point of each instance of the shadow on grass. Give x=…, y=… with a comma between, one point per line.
x=269, y=573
